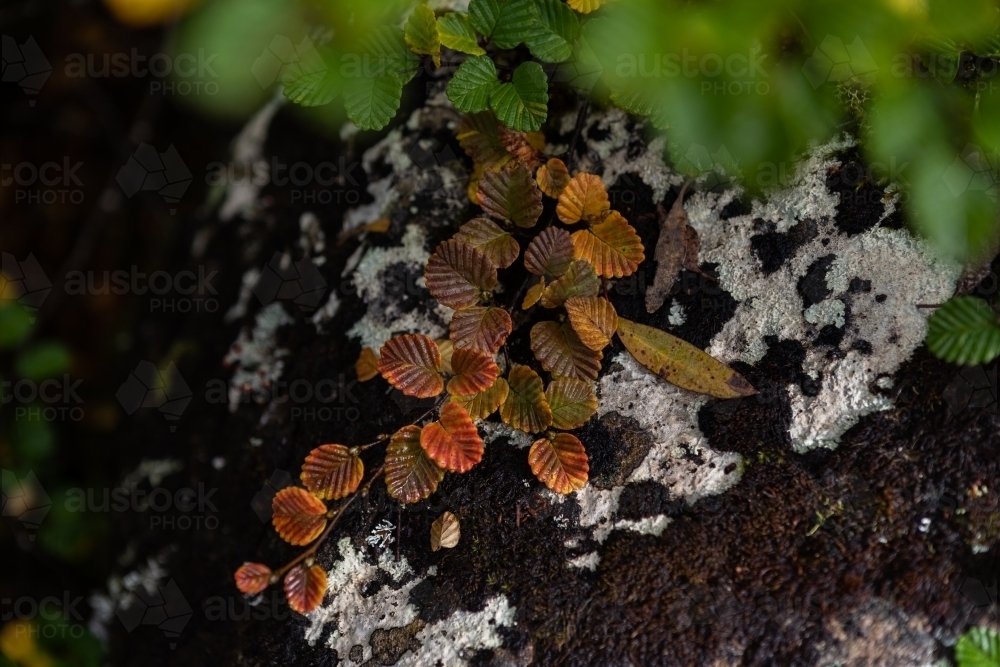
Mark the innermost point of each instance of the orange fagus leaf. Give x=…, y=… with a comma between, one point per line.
x=488, y=237
x=367, y=365
x=410, y=475
x=583, y=198
x=612, y=246
x=579, y=280
x=573, y=402
x=299, y=516
x=560, y=351
x=525, y=407
x=480, y=327
x=479, y=137
x=681, y=363
x=533, y=294
x=332, y=472
x=305, y=588
x=550, y=253
x=486, y=402
x=474, y=371
x=560, y=462
x=552, y=177
x=445, y=532
x=453, y=441
x=593, y=319
x=458, y=274
x=252, y=578
x=519, y=146
x=511, y=195
x=412, y=364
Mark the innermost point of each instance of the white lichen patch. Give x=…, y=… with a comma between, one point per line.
x=155, y=470
x=828, y=311
x=493, y=431
x=254, y=357
x=650, y=525
x=588, y=561
x=247, y=150
x=122, y=594
x=452, y=640
x=676, y=317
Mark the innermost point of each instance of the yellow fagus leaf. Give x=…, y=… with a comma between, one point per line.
x=593, y=319
x=681, y=363
x=550, y=253
x=486, y=402
x=579, y=280
x=573, y=402
x=494, y=241
x=458, y=274
x=298, y=516
x=481, y=327
x=410, y=475
x=552, y=177
x=583, y=198
x=536, y=140
x=518, y=145
x=560, y=351
x=586, y=6
x=332, y=472
x=367, y=365
x=472, y=189
x=533, y=294
x=447, y=349
x=445, y=532
x=479, y=137
x=421, y=33
x=453, y=441
x=252, y=578
x=526, y=407
x=560, y=462
x=611, y=246
x=512, y=195
x=305, y=588
x=474, y=371
x=412, y=364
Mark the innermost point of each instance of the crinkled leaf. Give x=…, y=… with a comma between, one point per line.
x=523, y=103
x=486, y=402
x=312, y=82
x=384, y=51
x=593, y=319
x=526, y=407
x=964, y=331
x=410, y=475
x=332, y=472
x=421, y=32
x=479, y=137
x=520, y=146
x=583, y=198
x=579, y=280
x=551, y=37
x=481, y=327
x=512, y=195
x=495, y=241
x=447, y=349
x=372, y=101
x=367, y=365
x=252, y=578
x=573, y=402
x=560, y=351
x=641, y=102
x=680, y=362
x=506, y=22
x=298, y=516
x=979, y=647
x=457, y=33
x=457, y=274
x=453, y=441
x=553, y=177
x=473, y=83
x=550, y=253
x=560, y=462
x=586, y=6
x=612, y=247
x=305, y=588
x=412, y=364
x=474, y=371
x=445, y=532
x=533, y=294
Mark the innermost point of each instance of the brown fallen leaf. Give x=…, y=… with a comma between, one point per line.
x=681, y=363
x=676, y=248
x=445, y=532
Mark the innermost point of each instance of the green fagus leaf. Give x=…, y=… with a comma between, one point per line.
x=979, y=647
x=15, y=323
x=457, y=33
x=506, y=22
x=421, y=33
x=385, y=51
x=964, y=331
x=43, y=361
x=522, y=104
x=511, y=195
x=472, y=84
x=313, y=81
x=372, y=101
x=641, y=102
x=551, y=37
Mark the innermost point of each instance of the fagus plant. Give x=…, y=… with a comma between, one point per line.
x=571, y=255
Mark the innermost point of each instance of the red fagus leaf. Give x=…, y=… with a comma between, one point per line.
x=579, y=280
x=611, y=246
x=299, y=516
x=519, y=146
x=550, y=253
x=525, y=407
x=457, y=274
x=560, y=351
x=560, y=462
x=453, y=442
x=474, y=371
x=412, y=364
x=332, y=472
x=252, y=578
x=481, y=327
x=305, y=588
x=494, y=241
x=410, y=475
x=594, y=320
x=553, y=177
x=583, y=198
x=511, y=194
